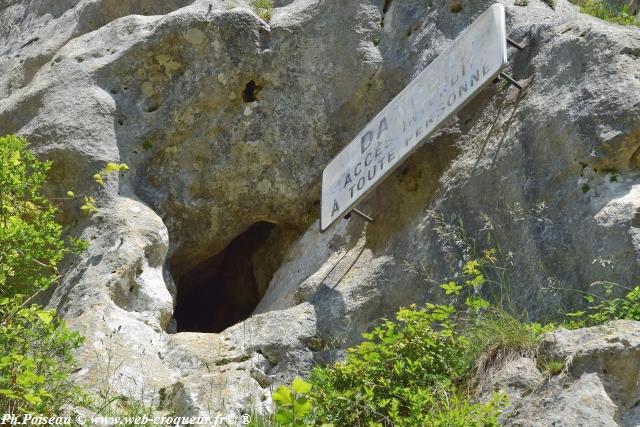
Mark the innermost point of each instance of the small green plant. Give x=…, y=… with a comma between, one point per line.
x=89, y=207
x=263, y=8
x=604, y=309
x=109, y=169
x=552, y=367
x=521, y=2
x=292, y=403
x=495, y=337
x=602, y=10
x=585, y=188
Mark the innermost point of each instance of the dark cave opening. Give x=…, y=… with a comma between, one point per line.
x=222, y=290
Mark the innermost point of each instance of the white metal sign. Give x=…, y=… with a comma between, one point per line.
x=473, y=61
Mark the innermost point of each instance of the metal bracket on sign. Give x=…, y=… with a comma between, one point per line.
x=506, y=76
x=362, y=214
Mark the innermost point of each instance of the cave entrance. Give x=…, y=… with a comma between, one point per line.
x=224, y=289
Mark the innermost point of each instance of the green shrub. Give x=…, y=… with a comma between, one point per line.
x=31, y=243
x=36, y=360
x=404, y=373
x=602, y=10
x=552, y=367
x=37, y=348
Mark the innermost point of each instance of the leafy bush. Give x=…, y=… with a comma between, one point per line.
x=36, y=360
x=37, y=348
x=31, y=243
x=404, y=373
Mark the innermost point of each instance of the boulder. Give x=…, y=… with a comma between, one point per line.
x=595, y=380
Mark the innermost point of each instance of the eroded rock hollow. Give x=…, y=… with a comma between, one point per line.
x=222, y=290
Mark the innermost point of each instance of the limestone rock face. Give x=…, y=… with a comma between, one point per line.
x=598, y=386
x=226, y=121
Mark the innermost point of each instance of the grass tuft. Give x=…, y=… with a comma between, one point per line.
x=263, y=8
x=495, y=338
x=552, y=367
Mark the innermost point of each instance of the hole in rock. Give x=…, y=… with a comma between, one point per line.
x=224, y=289
x=250, y=92
x=153, y=106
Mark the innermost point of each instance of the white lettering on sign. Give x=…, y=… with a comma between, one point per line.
x=473, y=61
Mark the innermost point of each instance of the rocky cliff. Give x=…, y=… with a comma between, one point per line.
x=226, y=122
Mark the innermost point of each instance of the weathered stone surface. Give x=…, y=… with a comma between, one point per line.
x=517, y=378
x=599, y=386
x=226, y=120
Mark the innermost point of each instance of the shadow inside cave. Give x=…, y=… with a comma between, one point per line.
x=222, y=290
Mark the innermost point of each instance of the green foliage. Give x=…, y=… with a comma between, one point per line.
x=496, y=329
x=292, y=403
x=37, y=348
x=89, y=207
x=78, y=245
x=402, y=374
x=36, y=360
x=109, y=169
x=418, y=368
x=495, y=336
x=468, y=285
x=31, y=243
x=606, y=309
x=263, y=8
x=552, y=367
x=602, y=10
